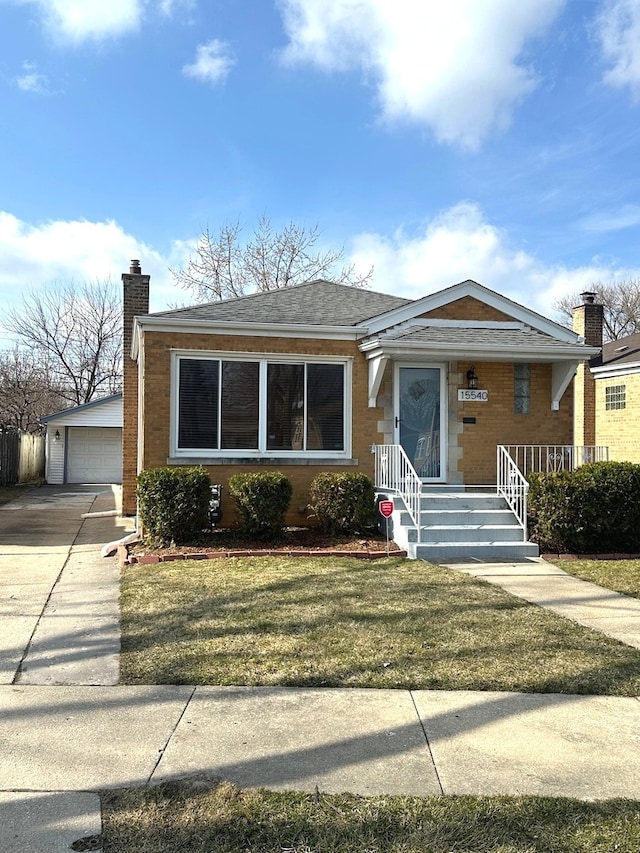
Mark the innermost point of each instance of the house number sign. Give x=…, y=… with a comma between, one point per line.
x=472, y=395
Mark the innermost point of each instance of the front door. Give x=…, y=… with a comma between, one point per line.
x=421, y=418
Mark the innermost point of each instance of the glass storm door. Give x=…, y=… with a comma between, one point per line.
x=420, y=419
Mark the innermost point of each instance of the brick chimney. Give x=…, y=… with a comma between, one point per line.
x=135, y=292
x=587, y=322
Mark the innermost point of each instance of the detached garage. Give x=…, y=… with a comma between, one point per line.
x=84, y=444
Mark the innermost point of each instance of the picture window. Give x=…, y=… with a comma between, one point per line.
x=260, y=406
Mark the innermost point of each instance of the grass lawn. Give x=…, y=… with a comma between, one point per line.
x=618, y=575
x=182, y=817
x=349, y=623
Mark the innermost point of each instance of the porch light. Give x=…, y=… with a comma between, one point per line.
x=472, y=379
x=56, y=435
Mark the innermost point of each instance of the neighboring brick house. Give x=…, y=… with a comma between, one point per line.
x=609, y=414
x=309, y=378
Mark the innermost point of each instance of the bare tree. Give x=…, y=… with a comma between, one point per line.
x=76, y=332
x=26, y=391
x=621, y=301
x=224, y=266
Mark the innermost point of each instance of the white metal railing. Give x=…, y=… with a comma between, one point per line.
x=395, y=473
x=513, y=486
x=535, y=458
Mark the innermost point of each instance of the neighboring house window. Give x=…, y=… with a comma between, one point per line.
x=260, y=405
x=522, y=388
x=615, y=397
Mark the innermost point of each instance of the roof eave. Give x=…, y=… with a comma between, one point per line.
x=487, y=352
x=609, y=371
x=151, y=323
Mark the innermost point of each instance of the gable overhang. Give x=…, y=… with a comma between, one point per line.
x=458, y=291
x=150, y=323
x=439, y=351
x=564, y=359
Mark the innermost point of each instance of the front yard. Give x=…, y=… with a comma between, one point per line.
x=338, y=622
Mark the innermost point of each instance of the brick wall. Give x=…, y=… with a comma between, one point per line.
x=617, y=429
x=155, y=441
x=467, y=308
x=497, y=423
x=135, y=288
x=472, y=447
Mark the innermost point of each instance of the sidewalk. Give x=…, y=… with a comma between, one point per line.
x=67, y=729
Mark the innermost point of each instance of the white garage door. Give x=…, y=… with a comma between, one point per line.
x=94, y=455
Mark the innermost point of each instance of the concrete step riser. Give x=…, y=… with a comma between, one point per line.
x=486, y=534
x=463, y=503
x=480, y=516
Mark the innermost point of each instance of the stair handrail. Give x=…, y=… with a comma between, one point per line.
x=395, y=473
x=544, y=458
x=512, y=486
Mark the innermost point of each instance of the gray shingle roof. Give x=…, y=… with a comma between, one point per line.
x=460, y=337
x=623, y=351
x=314, y=303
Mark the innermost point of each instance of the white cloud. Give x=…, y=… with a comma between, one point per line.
x=212, y=64
x=77, y=21
x=618, y=30
x=32, y=256
x=460, y=244
x=451, y=66
x=31, y=80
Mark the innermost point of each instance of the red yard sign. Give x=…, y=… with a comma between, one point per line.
x=386, y=508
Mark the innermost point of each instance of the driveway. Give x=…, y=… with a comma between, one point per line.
x=59, y=627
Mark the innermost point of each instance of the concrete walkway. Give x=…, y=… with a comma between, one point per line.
x=67, y=729
x=548, y=586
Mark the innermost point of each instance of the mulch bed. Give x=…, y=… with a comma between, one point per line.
x=296, y=542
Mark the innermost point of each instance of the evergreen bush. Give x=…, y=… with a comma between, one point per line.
x=262, y=500
x=173, y=502
x=343, y=503
x=594, y=509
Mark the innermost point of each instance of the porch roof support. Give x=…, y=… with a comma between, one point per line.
x=562, y=374
x=377, y=365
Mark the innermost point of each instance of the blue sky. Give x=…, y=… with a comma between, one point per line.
x=480, y=139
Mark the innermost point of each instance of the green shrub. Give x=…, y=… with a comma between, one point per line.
x=343, y=503
x=262, y=500
x=594, y=509
x=173, y=502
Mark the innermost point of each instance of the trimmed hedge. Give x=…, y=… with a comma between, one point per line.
x=594, y=509
x=343, y=503
x=262, y=500
x=173, y=502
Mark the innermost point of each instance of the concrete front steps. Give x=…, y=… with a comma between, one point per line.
x=457, y=525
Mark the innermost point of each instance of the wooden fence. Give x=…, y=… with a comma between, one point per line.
x=21, y=457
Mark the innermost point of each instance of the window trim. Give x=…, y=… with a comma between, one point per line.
x=263, y=359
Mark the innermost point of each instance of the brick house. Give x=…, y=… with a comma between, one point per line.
x=608, y=412
x=321, y=376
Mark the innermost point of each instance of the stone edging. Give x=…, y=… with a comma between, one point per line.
x=150, y=559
